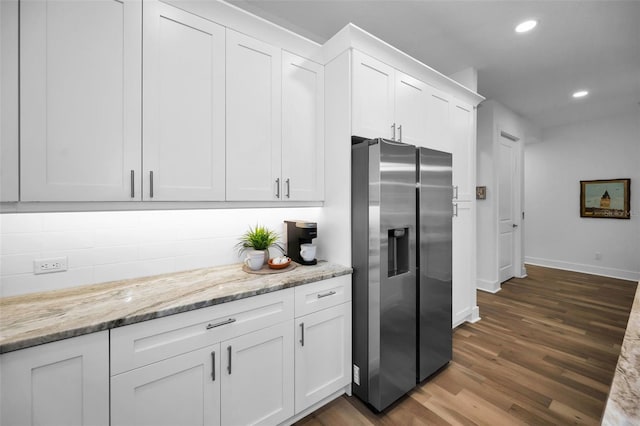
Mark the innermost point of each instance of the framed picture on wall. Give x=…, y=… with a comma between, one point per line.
x=605, y=198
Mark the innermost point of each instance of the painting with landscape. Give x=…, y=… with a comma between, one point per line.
x=605, y=198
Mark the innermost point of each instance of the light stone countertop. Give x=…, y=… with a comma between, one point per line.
x=38, y=318
x=623, y=405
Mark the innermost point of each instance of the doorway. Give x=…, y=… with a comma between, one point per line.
x=510, y=213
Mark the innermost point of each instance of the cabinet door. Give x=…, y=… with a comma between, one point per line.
x=373, y=98
x=80, y=89
x=183, y=390
x=184, y=101
x=302, y=128
x=463, y=268
x=411, y=110
x=9, y=124
x=464, y=151
x=257, y=377
x=254, y=95
x=59, y=383
x=323, y=354
x=438, y=120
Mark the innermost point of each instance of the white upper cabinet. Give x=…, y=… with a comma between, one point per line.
x=438, y=120
x=411, y=110
x=80, y=89
x=9, y=123
x=463, y=137
x=302, y=129
x=253, y=150
x=373, y=97
x=183, y=106
x=388, y=103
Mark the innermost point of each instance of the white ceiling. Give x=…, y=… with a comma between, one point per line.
x=578, y=44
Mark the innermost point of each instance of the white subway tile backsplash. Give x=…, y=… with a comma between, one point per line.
x=18, y=223
x=21, y=243
x=114, y=254
x=108, y=246
x=13, y=285
x=12, y=264
x=67, y=240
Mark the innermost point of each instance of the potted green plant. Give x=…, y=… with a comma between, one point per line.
x=259, y=238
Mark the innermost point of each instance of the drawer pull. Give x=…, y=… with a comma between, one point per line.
x=218, y=324
x=213, y=366
x=329, y=293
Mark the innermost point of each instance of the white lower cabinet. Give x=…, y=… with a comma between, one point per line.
x=257, y=377
x=323, y=354
x=235, y=363
x=183, y=390
x=60, y=383
x=323, y=340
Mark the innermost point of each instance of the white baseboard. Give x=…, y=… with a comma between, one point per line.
x=488, y=286
x=475, y=315
x=587, y=269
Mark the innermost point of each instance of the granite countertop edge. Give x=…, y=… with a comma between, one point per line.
x=97, y=322
x=623, y=406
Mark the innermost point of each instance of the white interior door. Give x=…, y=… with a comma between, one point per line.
x=508, y=194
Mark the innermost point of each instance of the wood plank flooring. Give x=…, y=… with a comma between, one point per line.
x=544, y=353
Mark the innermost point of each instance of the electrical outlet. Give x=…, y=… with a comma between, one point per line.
x=356, y=375
x=47, y=266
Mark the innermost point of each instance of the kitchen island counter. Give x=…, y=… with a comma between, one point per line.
x=38, y=318
x=623, y=405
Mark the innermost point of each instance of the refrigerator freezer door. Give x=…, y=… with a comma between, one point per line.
x=434, y=266
x=384, y=256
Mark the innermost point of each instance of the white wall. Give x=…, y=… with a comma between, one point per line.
x=107, y=246
x=494, y=118
x=556, y=235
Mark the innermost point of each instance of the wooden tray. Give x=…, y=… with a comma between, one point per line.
x=265, y=270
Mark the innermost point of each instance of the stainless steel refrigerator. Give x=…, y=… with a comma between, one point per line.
x=401, y=255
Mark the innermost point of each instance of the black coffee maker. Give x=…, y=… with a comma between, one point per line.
x=300, y=232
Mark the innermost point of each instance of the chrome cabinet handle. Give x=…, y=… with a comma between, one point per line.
x=277, y=187
x=133, y=184
x=229, y=354
x=151, y=184
x=400, y=133
x=455, y=210
x=455, y=192
x=393, y=127
x=329, y=293
x=213, y=366
x=288, y=182
x=218, y=324
x=302, y=334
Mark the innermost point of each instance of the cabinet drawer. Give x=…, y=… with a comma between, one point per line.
x=322, y=294
x=141, y=344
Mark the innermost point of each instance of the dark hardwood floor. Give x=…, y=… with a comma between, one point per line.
x=543, y=353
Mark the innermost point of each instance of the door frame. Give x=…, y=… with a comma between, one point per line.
x=519, y=270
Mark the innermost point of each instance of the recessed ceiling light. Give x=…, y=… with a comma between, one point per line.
x=580, y=94
x=526, y=26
